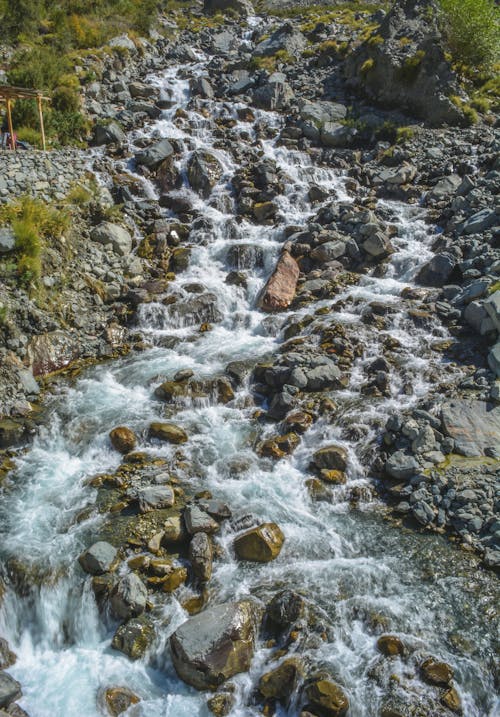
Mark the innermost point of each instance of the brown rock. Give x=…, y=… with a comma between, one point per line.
x=260, y=544
x=451, y=699
x=390, y=645
x=299, y=421
x=279, y=291
x=437, y=673
x=177, y=577
x=168, y=432
x=327, y=698
x=221, y=704
x=332, y=476
x=119, y=699
x=331, y=457
x=280, y=683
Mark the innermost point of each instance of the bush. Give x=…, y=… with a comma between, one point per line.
x=472, y=30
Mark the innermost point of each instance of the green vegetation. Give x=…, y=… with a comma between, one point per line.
x=469, y=113
x=411, y=66
x=32, y=222
x=473, y=31
x=271, y=62
x=367, y=65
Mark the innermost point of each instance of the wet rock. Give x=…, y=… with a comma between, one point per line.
x=134, y=637
x=203, y=171
x=154, y=155
x=435, y=672
x=118, y=700
x=285, y=608
x=176, y=577
x=451, y=699
x=264, y=212
x=123, y=439
x=10, y=689
x=197, y=521
x=326, y=698
x=52, y=351
x=11, y=432
x=114, y=234
x=201, y=556
x=390, y=645
x=221, y=704
x=128, y=598
x=331, y=458
x=473, y=425
x=218, y=643
x=168, y=432
x=378, y=246
x=98, y=559
x=280, y=288
x=260, y=544
x=281, y=682
x=7, y=657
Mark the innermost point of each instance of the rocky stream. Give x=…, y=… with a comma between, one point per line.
x=284, y=498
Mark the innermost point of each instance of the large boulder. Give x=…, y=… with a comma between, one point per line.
x=110, y=133
x=326, y=698
x=10, y=689
x=473, y=425
x=153, y=156
x=285, y=39
x=123, y=439
x=401, y=466
x=53, y=351
x=203, y=171
x=415, y=76
x=201, y=556
x=280, y=289
x=331, y=458
x=275, y=94
x=237, y=7
x=218, y=643
x=114, y=234
x=260, y=544
x=438, y=270
x=98, y=559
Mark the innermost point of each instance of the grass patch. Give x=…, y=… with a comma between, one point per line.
x=411, y=67
x=472, y=29
x=271, y=62
x=367, y=66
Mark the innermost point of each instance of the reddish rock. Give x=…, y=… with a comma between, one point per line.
x=279, y=291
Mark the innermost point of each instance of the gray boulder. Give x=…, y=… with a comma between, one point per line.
x=275, y=94
x=201, y=557
x=494, y=359
x=318, y=113
x=10, y=689
x=110, y=133
x=238, y=7
x=479, y=222
x=284, y=39
x=401, y=466
x=473, y=425
x=7, y=240
x=378, y=246
x=155, y=497
x=217, y=644
x=334, y=134
x=154, y=155
x=129, y=597
x=114, y=234
x=492, y=306
x=197, y=521
x=438, y=270
x=319, y=378
x=98, y=559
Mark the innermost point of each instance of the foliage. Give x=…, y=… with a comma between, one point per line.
x=271, y=62
x=367, y=65
x=472, y=30
x=411, y=66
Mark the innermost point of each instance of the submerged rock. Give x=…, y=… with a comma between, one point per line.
x=261, y=544
x=10, y=689
x=213, y=646
x=435, y=672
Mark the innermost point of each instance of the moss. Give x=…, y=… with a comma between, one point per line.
x=367, y=66
x=403, y=134
x=410, y=68
x=270, y=63
x=375, y=40
x=470, y=115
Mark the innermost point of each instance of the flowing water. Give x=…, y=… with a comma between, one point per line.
x=359, y=568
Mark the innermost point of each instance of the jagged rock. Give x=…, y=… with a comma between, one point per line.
x=10, y=689
x=415, y=76
x=438, y=270
x=98, y=559
x=221, y=704
x=110, y=133
x=218, y=643
x=279, y=291
x=275, y=94
x=240, y=7
x=451, y=699
x=281, y=682
x=260, y=544
x=114, y=234
x=11, y=432
x=168, y=432
x=128, y=598
x=285, y=608
x=52, y=351
x=7, y=657
x=401, y=466
x=285, y=38
x=201, y=556
x=203, y=171
x=123, y=439
x=197, y=521
x=154, y=155
x=155, y=497
x=334, y=134
x=134, y=637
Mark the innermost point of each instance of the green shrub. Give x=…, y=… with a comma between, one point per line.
x=411, y=66
x=472, y=30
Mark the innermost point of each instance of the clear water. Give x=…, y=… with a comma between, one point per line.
x=356, y=565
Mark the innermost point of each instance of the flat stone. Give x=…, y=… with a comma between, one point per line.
x=197, y=521
x=474, y=426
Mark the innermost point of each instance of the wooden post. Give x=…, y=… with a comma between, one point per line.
x=9, y=120
x=40, y=115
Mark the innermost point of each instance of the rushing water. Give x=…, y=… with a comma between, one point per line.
x=357, y=567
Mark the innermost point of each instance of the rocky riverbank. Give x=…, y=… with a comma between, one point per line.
x=376, y=386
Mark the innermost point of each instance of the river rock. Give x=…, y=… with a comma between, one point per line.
x=260, y=544
x=390, y=645
x=168, y=432
x=285, y=608
x=98, y=559
x=118, y=699
x=129, y=597
x=10, y=689
x=114, y=234
x=280, y=683
x=473, y=425
x=331, y=458
x=280, y=289
x=438, y=270
x=197, y=521
x=401, y=466
x=451, y=699
x=110, y=133
x=211, y=647
x=435, y=672
x=154, y=155
x=203, y=171
x=326, y=698
x=201, y=556
x=123, y=439
x=155, y=497
x=7, y=657
x=134, y=637
x=11, y=432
